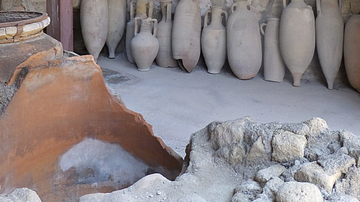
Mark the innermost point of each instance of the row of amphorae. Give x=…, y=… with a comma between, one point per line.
x=289, y=41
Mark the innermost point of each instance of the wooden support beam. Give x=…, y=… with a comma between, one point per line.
x=66, y=24
x=61, y=26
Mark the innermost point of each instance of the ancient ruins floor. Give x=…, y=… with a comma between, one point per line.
x=178, y=104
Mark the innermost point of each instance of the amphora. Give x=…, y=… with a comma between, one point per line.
x=213, y=39
x=144, y=46
x=297, y=37
x=352, y=51
x=94, y=25
x=274, y=66
x=329, y=38
x=117, y=22
x=164, y=57
x=243, y=41
x=186, y=34
x=142, y=7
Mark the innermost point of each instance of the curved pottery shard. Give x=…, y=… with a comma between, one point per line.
x=59, y=104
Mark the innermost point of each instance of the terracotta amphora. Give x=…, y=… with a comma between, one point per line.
x=352, y=51
x=297, y=37
x=274, y=66
x=164, y=57
x=213, y=40
x=145, y=46
x=243, y=41
x=94, y=25
x=142, y=7
x=186, y=34
x=329, y=38
x=117, y=22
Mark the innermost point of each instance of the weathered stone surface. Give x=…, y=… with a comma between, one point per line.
x=317, y=126
x=337, y=197
x=246, y=191
x=355, y=153
x=60, y=103
x=287, y=146
x=298, y=192
x=337, y=163
x=350, y=185
x=266, y=174
x=20, y=195
x=314, y=173
x=257, y=154
x=272, y=187
x=349, y=140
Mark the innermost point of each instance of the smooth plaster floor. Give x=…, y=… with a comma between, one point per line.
x=178, y=104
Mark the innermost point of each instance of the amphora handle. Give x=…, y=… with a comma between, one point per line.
x=206, y=17
x=132, y=9
x=318, y=6
x=262, y=28
x=155, y=26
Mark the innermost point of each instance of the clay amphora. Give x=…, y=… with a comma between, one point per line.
x=352, y=51
x=117, y=22
x=243, y=41
x=213, y=40
x=142, y=7
x=297, y=37
x=144, y=46
x=94, y=25
x=186, y=34
x=329, y=38
x=274, y=66
x=164, y=57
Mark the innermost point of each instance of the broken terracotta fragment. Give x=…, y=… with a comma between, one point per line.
x=59, y=104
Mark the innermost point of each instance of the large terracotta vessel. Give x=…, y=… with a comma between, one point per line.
x=213, y=40
x=297, y=37
x=329, y=38
x=243, y=41
x=117, y=22
x=21, y=36
x=142, y=7
x=94, y=25
x=186, y=34
x=352, y=51
x=164, y=57
x=145, y=46
x=274, y=66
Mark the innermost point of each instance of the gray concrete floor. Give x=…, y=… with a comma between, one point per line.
x=178, y=104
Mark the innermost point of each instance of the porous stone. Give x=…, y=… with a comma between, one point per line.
x=338, y=197
x=349, y=140
x=20, y=195
x=266, y=174
x=246, y=191
x=257, y=153
x=316, y=126
x=298, y=192
x=287, y=146
x=314, y=173
x=350, y=185
x=355, y=153
x=337, y=163
x=272, y=187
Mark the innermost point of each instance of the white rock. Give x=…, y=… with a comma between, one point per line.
x=266, y=174
x=287, y=146
x=20, y=195
x=317, y=126
x=338, y=197
x=312, y=172
x=298, y=192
